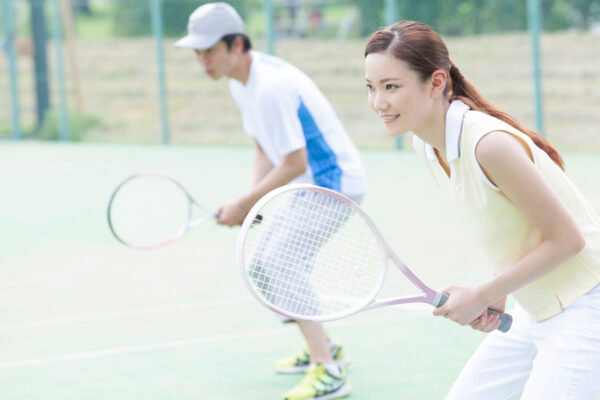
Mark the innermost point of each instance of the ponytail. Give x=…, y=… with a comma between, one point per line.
x=463, y=90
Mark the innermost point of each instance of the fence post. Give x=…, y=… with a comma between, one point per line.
x=391, y=12
x=9, y=47
x=534, y=22
x=391, y=17
x=39, y=35
x=63, y=120
x=270, y=30
x=155, y=9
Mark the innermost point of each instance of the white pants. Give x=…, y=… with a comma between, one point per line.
x=556, y=359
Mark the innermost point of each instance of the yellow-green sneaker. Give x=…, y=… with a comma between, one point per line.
x=320, y=384
x=300, y=362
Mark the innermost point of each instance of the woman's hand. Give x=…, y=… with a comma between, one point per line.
x=489, y=322
x=465, y=305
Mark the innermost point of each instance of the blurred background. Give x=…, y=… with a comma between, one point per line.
x=106, y=70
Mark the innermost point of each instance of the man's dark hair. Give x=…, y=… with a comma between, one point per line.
x=228, y=39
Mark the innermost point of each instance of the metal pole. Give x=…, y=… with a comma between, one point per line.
x=391, y=17
x=270, y=31
x=534, y=22
x=63, y=123
x=9, y=47
x=155, y=9
x=391, y=12
x=39, y=35
x=67, y=17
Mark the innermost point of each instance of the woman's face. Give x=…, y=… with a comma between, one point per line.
x=396, y=93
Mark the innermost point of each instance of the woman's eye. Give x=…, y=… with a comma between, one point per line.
x=369, y=87
x=389, y=86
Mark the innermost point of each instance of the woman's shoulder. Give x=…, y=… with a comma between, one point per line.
x=477, y=124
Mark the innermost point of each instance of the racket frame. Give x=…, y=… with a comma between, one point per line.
x=427, y=295
x=189, y=222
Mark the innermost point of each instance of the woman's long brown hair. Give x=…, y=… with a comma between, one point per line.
x=425, y=52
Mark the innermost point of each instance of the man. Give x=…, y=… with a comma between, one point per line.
x=298, y=138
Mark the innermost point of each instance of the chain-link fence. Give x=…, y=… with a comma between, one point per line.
x=112, y=67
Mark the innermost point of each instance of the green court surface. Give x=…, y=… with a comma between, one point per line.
x=83, y=317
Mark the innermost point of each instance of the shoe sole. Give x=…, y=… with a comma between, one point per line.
x=342, y=392
x=301, y=369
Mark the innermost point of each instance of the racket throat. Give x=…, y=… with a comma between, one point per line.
x=398, y=300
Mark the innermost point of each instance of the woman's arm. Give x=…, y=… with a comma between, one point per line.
x=506, y=162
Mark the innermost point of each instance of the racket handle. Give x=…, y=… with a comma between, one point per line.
x=505, y=318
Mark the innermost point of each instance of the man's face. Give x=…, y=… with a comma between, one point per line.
x=218, y=61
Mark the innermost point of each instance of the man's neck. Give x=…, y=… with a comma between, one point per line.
x=241, y=72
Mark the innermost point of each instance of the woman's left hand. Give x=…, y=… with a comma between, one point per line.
x=464, y=305
x=489, y=322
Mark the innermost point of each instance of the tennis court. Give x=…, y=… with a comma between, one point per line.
x=84, y=317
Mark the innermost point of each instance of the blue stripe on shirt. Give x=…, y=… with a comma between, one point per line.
x=321, y=158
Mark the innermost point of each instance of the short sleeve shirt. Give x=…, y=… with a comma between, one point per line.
x=284, y=111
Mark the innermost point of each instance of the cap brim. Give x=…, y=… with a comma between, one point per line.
x=196, y=42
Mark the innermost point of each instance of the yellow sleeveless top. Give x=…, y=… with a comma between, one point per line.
x=506, y=233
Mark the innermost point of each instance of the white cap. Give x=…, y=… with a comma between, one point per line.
x=208, y=24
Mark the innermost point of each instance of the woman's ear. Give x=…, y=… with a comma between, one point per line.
x=439, y=80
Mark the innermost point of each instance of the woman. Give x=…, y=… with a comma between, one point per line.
x=542, y=235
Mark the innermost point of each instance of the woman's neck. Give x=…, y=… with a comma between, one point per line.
x=433, y=129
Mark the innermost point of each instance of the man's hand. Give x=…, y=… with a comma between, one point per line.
x=232, y=214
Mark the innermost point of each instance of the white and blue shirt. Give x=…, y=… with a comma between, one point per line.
x=285, y=111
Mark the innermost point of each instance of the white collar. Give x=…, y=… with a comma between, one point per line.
x=250, y=82
x=454, y=120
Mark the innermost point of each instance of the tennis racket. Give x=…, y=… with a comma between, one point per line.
x=149, y=210
x=317, y=256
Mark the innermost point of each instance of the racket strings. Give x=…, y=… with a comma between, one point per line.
x=313, y=255
x=147, y=210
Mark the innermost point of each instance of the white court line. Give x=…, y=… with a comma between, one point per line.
x=136, y=349
x=120, y=314
x=190, y=342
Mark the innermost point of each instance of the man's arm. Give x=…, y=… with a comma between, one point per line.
x=262, y=165
x=294, y=164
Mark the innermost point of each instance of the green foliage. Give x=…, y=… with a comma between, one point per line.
x=468, y=17
x=5, y=129
x=372, y=15
x=95, y=25
x=458, y=17
x=133, y=17
x=449, y=17
x=586, y=11
x=79, y=124
x=555, y=14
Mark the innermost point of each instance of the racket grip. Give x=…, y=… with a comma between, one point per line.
x=505, y=318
